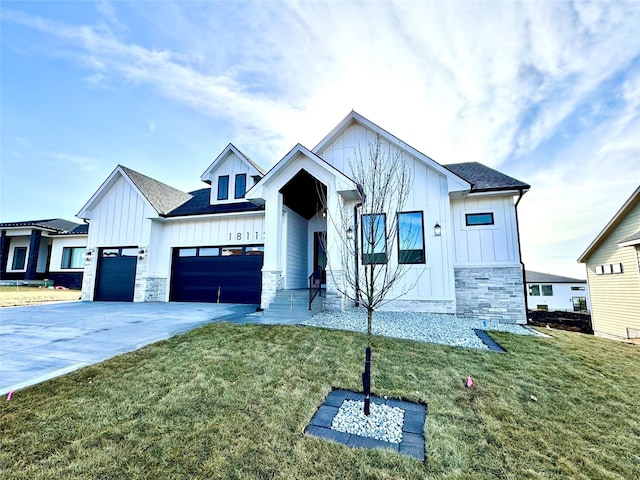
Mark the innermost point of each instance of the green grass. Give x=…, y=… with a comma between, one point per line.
x=229, y=401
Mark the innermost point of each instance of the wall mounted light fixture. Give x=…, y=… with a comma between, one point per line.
x=437, y=229
x=350, y=233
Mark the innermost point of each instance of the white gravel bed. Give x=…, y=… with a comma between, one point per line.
x=425, y=327
x=383, y=423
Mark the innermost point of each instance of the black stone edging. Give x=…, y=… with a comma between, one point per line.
x=412, y=443
x=488, y=341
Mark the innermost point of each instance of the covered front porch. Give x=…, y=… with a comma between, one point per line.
x=303, y=195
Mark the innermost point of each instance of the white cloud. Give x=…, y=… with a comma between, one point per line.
x=460, y=81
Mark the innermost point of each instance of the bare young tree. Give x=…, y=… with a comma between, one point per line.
x=371, y=276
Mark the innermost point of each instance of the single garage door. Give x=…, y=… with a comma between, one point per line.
x=116, y=277
x=200, y=274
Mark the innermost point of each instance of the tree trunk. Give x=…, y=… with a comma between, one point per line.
x=366, y=376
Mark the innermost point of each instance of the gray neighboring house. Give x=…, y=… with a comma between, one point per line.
x=34, y=250
x=555, y=292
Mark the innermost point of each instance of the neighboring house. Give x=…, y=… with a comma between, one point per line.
x=554, y=292
x=251, y=233
x=35, y=250
x=613, y=273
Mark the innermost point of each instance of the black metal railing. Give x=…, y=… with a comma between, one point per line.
x=315, y=287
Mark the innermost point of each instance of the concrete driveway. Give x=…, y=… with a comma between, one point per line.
x=44, y=341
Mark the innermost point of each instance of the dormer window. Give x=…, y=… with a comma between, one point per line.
x=241, y=185
x=223, y=187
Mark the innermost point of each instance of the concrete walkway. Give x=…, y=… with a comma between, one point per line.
x=45, y=341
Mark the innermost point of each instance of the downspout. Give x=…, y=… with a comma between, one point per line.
x=355, y=239
x=524, y=272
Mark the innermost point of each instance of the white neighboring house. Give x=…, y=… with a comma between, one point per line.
x=34, y=250
x=251, y=234
x=554, y=292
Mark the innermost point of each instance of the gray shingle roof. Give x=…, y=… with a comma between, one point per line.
x=539, y=277
x=162, y=197
x=485, y=179
x=58, y=225
x=199, y=205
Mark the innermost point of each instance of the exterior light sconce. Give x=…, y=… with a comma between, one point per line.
x=324, y=213
x=350, y=233
x=141, y=254
x=88, y=255
x=437, y=229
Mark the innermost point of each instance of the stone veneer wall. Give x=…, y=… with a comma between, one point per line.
x=490, y=293
x=423, y=306
x=272, y=281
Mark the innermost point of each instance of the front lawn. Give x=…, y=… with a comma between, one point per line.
x=228, y=401
x=11, y=296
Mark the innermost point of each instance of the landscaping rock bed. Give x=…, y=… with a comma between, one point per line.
x=425, y=327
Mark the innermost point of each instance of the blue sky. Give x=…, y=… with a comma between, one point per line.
x=547, y=92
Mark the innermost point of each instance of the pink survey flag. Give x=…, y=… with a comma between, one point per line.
x=9, y=395
x=469, y=381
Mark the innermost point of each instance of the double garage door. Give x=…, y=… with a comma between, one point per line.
x=201, y=274
x=217, y=274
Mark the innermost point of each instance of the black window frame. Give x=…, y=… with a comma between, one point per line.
x=467, y=216
x=253, y=249
x=66, y=261
x=23, y=256
x=406, y=258
x=226, y=187
x=374, y=258
x=549, y=291
x=243, y=177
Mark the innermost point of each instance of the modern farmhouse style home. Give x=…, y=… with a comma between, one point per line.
x=250, y=234
x=36, y=250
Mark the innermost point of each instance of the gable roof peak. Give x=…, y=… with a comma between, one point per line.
x=236, y=151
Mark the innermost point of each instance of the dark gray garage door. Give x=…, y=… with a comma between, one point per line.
x=200, y=274
x=116, y=276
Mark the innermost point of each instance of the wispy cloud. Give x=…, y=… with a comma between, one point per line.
x=81, y=162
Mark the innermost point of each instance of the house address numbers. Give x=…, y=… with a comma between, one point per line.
x=240, y=236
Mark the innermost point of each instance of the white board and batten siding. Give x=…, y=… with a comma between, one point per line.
x=485, y=245
x=121, y=218
x=224, y=231
x=433, y=280
x=230, y=166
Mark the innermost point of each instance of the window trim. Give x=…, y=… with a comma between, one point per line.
x=478, y=214
x=24, y=259
x=242, y=176
x=377, y=258
x=423, y=259
x=226, y=193
x=542, y=290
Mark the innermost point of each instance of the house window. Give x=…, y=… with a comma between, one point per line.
x=19, y=258
x=241, y=185
x=579, y=303
x=374, y=239
x=73, y=257
x=612, y=268
x=616, y=268
x=473, y=219
x=547, y=290
x=410, y=238
x=223, y=187
x=577, y=288
x=534, y=290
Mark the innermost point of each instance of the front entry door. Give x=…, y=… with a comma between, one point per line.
x=320, y=253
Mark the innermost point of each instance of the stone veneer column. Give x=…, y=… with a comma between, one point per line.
x=490, y=293
x=272, y=281
x=89, y=274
